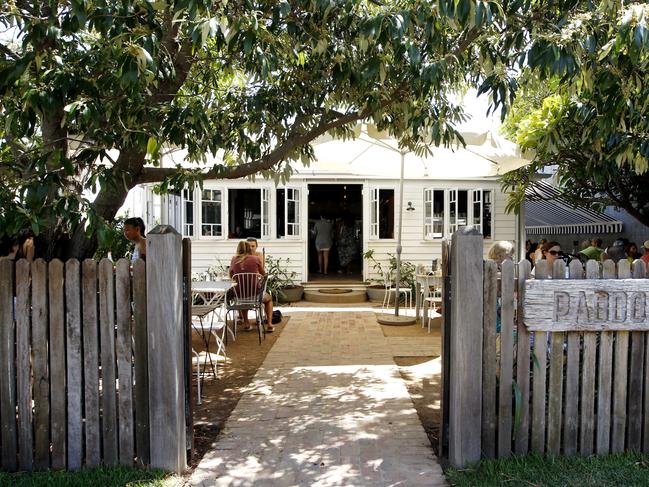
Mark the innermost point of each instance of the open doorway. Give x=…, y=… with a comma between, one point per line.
x=342, y=205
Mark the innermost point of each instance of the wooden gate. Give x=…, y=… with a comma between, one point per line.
x=563, y=370
x=91, y=361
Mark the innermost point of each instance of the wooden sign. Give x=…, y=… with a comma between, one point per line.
x=586, y=305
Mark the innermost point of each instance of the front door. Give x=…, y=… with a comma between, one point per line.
x=342, y=206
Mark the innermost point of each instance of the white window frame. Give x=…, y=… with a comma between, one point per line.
x=185, y=198
x=429, y=225
x=265, y=213
x=223, y=223
x=374, y=212
x=480, y=192
x=292, y=230
x=451, y=205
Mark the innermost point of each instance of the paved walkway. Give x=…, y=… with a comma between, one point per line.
x=327, y=407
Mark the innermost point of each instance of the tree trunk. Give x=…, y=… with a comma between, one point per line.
x=108, y=201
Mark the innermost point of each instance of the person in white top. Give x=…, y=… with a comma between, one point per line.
x=551, y=251
x=134, y=232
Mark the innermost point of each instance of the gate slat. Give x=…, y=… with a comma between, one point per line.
x=23, y=365
x=506, y=360
x=555, y=396
x=57, y=363
x=74, y=368
x=40, y=364
x=539, y=376
x=124, y=362
x=634, y=441
x=107, y=337
x=489, y=359
x=141, y=363
x=91, y=364
x=8, y=437
x=523, y=364
x=605, y=372
x=620, y=378
x=571, y=414
x=588, y=379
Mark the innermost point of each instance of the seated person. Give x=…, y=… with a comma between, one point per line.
x=252, y=241
x=594, y=252
x=245, y=261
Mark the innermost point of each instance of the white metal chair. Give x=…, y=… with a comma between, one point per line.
x=432, y=298
x=248, y=295
x=390, y=289
x=209, y=323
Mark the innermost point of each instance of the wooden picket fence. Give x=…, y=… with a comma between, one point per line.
x=73, y=364
x=569, y=392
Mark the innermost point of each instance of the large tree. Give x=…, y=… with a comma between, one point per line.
x=592, y=123
x=91, y=91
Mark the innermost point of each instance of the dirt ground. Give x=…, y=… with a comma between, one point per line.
x=245, y=355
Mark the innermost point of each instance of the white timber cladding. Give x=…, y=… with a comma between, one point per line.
x=292, y=241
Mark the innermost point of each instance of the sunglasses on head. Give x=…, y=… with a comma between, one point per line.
x=554, y=252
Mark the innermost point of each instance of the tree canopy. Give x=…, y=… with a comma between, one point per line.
x=92, y=92
x=591, y=121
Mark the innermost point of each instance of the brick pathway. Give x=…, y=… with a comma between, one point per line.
x=327, y=407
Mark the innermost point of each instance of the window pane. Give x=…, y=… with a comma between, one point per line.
x=386, y=213
x=438, y=214
x=188, y=212
x=211, y=213
x=462, y=208
x=281, y=217
x=244, y=211
x=486, y=213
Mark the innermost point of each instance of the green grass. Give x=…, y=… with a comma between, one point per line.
x=629, y=469
x=95, y=477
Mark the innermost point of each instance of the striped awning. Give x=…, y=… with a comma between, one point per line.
x=548, y=213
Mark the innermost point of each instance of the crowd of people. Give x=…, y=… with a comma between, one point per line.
x=592, y=249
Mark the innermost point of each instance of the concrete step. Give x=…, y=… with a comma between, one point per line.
x=321, y=295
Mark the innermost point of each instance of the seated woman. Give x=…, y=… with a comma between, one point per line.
x=246, y=261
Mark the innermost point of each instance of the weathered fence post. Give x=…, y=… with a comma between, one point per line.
x=465, y=394
x=165, y=339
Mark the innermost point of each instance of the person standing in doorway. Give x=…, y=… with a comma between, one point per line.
x=346, y=245
x=323, y=233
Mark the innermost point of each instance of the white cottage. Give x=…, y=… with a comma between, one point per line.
x=357, y=180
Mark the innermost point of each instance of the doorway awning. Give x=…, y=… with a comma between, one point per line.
x=548, y=213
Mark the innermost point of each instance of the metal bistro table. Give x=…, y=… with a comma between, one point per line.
x=213, y=294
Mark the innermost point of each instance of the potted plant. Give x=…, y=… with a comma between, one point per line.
x=281, y=281
x=376, y=292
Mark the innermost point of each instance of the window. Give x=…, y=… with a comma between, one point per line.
x=465, y=207
x=248, y=213
x=382, y=213
x=482, y=211
x=434, y=213
x=288, y=212
x=188, y=212
x=211, y=219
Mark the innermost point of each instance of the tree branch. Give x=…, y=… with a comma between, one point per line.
x=157, y=174
x=8, y=52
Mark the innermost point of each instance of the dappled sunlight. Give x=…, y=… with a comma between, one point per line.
x=319, y=413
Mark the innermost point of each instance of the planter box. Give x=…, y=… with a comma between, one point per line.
x=377, y=293
x=291, y=294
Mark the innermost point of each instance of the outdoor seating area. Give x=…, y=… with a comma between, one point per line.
x=216, y=310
